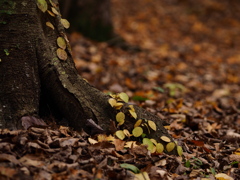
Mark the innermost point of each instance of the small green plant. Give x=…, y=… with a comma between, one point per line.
x=194, y=163
x=6, y=52
x=174, y=88
x=213, y=171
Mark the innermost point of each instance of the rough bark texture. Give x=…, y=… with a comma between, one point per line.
x=19, y=79
x=29, y=64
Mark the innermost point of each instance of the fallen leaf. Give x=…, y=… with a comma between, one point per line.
x=49, y=25
x=170, y=146
x=42, y=5
x=130, y=167
x=137, y=131
x=62, y=54
x=223, y=176
x=152, y=125
x=123, y=96
x=120, y=134
x=65, y=23
x=61, y=43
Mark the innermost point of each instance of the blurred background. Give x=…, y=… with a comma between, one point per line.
x=156, y=50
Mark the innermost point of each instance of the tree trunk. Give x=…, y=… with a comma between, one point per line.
x=30, y=67
x=90, y=17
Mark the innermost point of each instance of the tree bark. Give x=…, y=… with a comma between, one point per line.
x=30, y=66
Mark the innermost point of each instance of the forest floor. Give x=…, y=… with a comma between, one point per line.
x=181, y=62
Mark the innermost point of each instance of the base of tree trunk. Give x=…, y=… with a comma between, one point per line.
x=35, y=66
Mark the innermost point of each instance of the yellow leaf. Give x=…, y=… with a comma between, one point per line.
x=142, y=176
x=152, y=125
x=121, y=122
x=137, y=131
x=154, y=141
x=120, y=118
x=170, y=146
x=61, y=42
x=101, y=137
x=42, y=5
x=149, y=144
x=179, y=150
x=49, y=25
x=65, y=23
x=110, y=138
x=165, y=138
x=113, y=96
x=52, y=3
x=120, y=134
x=126, y=132
x=237, y=152
x=61, y=54
x=123, y=96
x=167, y=127
x=133, y=113
x=153, y=149
x=130, y=144
x=222, y=176
x=112, y=102
x=55, y=11
x=138, y=123
x=131, y=107
x=92, y=141
x=49, y=12
x=118, y=105
x=159, y=148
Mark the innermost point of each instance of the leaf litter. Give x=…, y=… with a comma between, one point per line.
x=187, y=73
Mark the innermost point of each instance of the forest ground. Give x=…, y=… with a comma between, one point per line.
x=186, y=72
